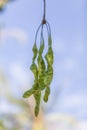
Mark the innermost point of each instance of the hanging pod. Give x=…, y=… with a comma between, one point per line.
x=42, y=66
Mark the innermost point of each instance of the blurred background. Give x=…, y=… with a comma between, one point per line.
x=67, y=106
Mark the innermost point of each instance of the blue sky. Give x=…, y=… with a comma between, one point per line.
x=68, y=24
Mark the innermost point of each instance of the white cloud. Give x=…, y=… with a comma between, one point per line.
x=75, y=100
x=76, y=103
x=16, y=33
x=61, y=121
x=82, y=125
x=20, y=75
x=6, y=107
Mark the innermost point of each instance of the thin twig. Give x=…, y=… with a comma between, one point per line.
x=44, y=13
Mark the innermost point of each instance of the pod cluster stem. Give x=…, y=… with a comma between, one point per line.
x=42, y=66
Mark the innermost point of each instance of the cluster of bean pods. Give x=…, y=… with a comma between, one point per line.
x=42, y=68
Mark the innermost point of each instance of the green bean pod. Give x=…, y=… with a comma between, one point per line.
x=49, y=73
x=47, y=93
x=41, y=66
x=37, y=97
